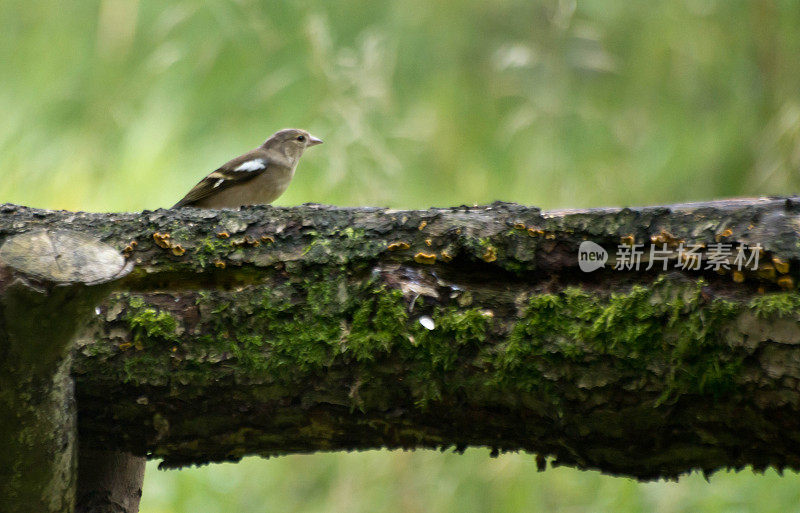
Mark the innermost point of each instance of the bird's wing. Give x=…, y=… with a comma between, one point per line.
x=236, y=171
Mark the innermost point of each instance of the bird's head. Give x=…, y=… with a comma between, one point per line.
x=291, y=142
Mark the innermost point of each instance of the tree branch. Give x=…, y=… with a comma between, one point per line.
x=271, y=330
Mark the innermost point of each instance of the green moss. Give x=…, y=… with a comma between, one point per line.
x=326, y=296
x=781, y=304
x=453, y=330
x=669, y=333
x=353, y=233
x=667, y=326
x=211, y=249
x=351, y=242
x=154, y=333
x=287, y=334
x=379, y=324
x=149, y=325
x=145, y=367
x=444, y=356
x=513, y=266
x=279, y=338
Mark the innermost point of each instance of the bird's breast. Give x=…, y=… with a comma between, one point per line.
x=268, y=186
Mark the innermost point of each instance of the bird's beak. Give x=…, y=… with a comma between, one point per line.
x=313, y=141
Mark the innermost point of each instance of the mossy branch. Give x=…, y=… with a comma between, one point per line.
x=271, y=331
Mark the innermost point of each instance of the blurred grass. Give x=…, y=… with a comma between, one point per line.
x=124, y=104
x=114, y=105
x=425, y=481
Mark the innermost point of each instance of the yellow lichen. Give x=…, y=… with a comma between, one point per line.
x=398, y=246
x=725, y=233
x=162, y=240
x=665, y=238
x=781, y=266
x=130, y=248
x=425, y=258
x=767, y=272
x=490, y=255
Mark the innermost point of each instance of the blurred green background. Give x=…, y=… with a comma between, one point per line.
x=118, y=105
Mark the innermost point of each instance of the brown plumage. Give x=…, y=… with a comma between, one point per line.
x=259, y=176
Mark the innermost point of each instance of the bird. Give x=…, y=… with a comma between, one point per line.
x=257, y=177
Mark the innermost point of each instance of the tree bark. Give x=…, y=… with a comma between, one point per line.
x=49, y=282
x=109, y=481
x=271, y=331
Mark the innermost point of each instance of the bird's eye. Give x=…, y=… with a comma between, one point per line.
x=301, y=138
